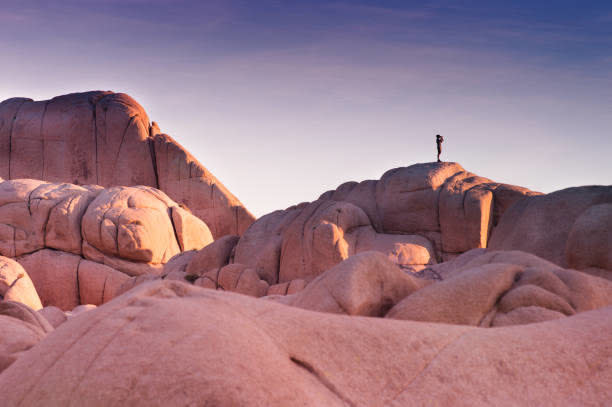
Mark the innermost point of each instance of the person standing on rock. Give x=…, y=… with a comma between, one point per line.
x=439, y=141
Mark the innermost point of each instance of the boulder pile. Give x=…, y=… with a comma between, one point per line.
x=130, y=276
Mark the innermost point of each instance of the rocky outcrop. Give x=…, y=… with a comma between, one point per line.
x=226, y=349
x=417, y=216
x=105, y=138
x=80, y=243
x=572, y=228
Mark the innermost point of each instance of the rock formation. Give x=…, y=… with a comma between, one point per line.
x=80, y=243
x=419, y=215
x=105, y=138
x=166, y=343
x=431, y=285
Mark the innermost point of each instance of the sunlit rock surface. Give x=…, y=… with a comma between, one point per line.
x=105, y=138
x=138, y=282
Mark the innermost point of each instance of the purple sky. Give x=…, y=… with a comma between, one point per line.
x=283, y=100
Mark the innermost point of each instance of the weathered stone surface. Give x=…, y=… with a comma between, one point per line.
x=300, y=357
x=16, y=337
x=366, y=284
x=465, y=299
x=484, y=286
x=213, y=256
x=26, y=314
x=53, y=315
x=237, y=278
x=98, y=283
x=570, y=227
x=105, y=138
x=132, y=229
x=417, y=215
x=16, y=285
x=54, y=274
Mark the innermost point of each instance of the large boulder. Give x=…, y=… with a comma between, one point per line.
x=417, y=216
x=105, y=138
x=571, y=228
x=225, y=349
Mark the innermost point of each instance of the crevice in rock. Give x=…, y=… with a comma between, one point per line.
x=321, y=379
x=95, y=131
x=442, y=349
x=176, y=235
x=130, y=122
x=11, y=135
x=151, y=143
x=42, y=138
x=78, y=282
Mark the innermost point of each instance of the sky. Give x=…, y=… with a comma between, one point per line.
x=284, y=100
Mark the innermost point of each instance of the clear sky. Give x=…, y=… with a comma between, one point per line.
x=283, y=100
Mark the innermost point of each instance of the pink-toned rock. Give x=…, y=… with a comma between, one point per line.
x=526, y=315
x=54, y=275
x=26, y=314
x=81, y=309
x=465, y=299
x=191, y=232
x=53, y=315
x=540, y=289
x=98, y=283
x=131, y=229
x=16, y=285
x=105, y=138
x=589, y=243
x=366, y=284
x=213, y=256
x=16, y=337
x=299, y=357
x=569, y=227
x=416, y=215
x=237, y=278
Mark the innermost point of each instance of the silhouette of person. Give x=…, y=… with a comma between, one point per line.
x=439, y=141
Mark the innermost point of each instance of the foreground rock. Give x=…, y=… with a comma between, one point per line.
x=105, y=138
x=232, y=350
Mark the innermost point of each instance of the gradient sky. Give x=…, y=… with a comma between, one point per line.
x=283, y=100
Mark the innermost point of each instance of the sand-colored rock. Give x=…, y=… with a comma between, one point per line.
x=299, y=357
x=366, y=284
x=570, y=228
x=16, y=285
x=105, y=138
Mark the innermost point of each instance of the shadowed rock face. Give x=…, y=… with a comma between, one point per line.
x=105, y=138
x=571, y=227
